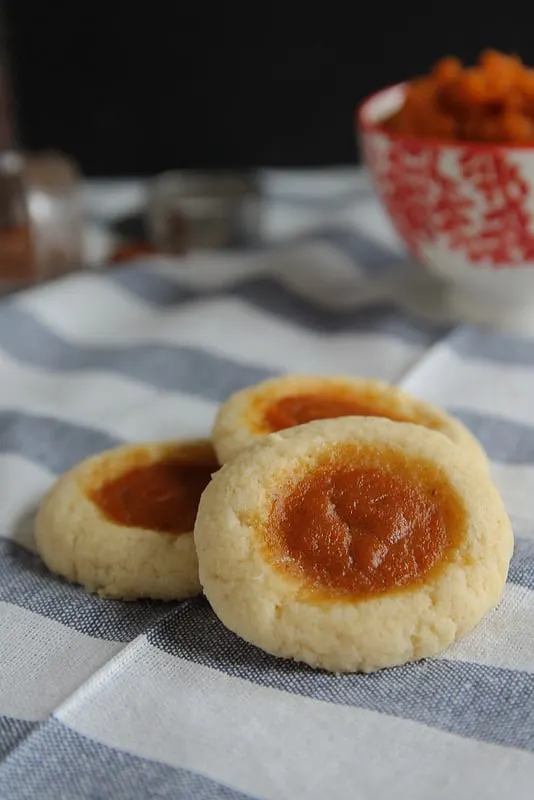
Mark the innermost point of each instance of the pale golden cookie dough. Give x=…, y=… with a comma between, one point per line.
x=241, y=420
x=120, y=558
x=261, y=591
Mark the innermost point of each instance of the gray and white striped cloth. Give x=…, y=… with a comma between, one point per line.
x=104, y=699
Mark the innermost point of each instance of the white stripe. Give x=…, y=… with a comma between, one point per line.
x=504, y=638
x=208, y=270
x=110, y=402
x=449, y=379
x=516, y=485
x=327, y=184
x=35, y=390
x=294, y=263
x=320, y=272
x=43, y=662
x=23, y=485
x=372, y=220
x=168, y=416
x=523, y=528
x=309, y=266
x=324, y=274
x=279, y=746
x=249, y=335
x=225, y=326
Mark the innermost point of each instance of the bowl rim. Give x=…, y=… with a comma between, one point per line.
x=364, y=125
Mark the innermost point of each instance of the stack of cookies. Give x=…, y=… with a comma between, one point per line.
x=337, y=521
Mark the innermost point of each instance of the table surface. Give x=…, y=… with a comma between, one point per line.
x=104, y=699
x=296, y=202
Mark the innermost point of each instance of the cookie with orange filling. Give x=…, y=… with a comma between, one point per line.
x=353, y=544
x=290, y=400
x=121, y=523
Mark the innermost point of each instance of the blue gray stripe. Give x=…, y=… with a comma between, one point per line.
x=168, y=367
x=12, y=733
x=487, y=345
x=368, y=254
x=487, y=703
x=26, y=582
x=330, y=202
x=505, y=440
x=51, y=442
x=58, y=445
x=271, y=296
x=522, y=565
x=474, y=697
x=56, y=762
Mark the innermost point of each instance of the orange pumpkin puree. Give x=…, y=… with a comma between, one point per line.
x=162, y=496
x=490, y=102
x=359, y=525
x=298, y=409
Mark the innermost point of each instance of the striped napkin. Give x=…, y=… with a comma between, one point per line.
x=103, y=699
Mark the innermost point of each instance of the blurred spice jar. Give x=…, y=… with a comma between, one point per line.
x=41, y=227
x=208, y=210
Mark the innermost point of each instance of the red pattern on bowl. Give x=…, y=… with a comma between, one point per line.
x=454, y=205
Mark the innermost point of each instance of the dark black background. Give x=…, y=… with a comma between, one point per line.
x=133, y=89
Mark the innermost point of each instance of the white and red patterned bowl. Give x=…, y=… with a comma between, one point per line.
x=465, y=211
